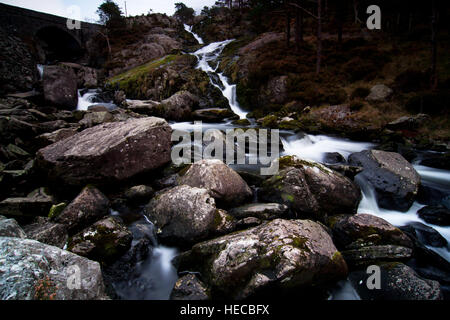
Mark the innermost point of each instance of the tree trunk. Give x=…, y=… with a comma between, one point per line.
x=434, y=76
x=319, y=36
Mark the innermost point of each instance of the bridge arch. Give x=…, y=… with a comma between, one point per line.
x=55, y=44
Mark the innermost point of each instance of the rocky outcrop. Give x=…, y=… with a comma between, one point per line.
x=398, y=282
x=60, y=86
x=189, y=287
x=223, y=183
x=311, y=189
x=105, y=241
x=10, y=228
x=184, y=215
x=35, y=271
x=281, y=254
x=111, y=151
x=394, y=179
x=45, y=231
x=88, y=207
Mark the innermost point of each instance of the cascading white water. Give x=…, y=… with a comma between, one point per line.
x=85, y=100
x=40, y=68
x=207, y=56
x=189, y=29
x=315, y=147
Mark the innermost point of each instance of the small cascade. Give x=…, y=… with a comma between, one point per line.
x=40, y=68
x=189, y=29
x=208, y=57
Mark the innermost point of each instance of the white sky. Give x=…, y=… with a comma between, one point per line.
x=89, y=7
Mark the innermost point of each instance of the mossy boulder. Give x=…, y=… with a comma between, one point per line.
x=279, y=255
x=105, y=241
x=310, y=189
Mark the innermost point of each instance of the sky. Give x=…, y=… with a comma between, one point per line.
x=85, y=9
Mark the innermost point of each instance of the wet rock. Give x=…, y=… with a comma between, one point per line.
x=265, y=211
x=395, y=180
x=426, y=235
x=45, y=231
x=10, y=228
x=25, y=265
x=398, y=282
x=105, y=241
x=380, y=92
x=111, y=151
x=281, y=254
x=60, y=86
x=349, y=171
x=189, y=287
x=213, y=114
x=88, y=207
x=366, y=230
x=334, y=158
x=438, y=215
x=184, y=215
x=223, y=183
x=37, y=203
x=310, y=189
x=439, y=161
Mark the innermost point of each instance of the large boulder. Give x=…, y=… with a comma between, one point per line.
x=60, y=86
x=311, y=189
x=105, y=241
x=395, y=180
x=184, y=215
x=111, y=151
x=10, y=228
x=88, y=207
x=35, y=271
x=282, y=254
x=398, y=282
x=223, y=183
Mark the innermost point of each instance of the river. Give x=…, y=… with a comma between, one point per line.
x=306, y=146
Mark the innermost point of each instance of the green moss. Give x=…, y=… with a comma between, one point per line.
x=337, y=257
x=300, y=243
x=270, y=121
x=56, y=210
x=287, y=197
x=218, y=221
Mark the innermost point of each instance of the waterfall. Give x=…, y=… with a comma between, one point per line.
x=207, y=57
x=196, y=36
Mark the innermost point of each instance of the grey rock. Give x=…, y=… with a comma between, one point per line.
x=111, y=151
x=278, y=254
x=184, y=215
x=37, y=203
x=60, y=86
x=26, y=265
x=10, y=228
x=380, y=92
x=395, y=180
x=223, y=183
